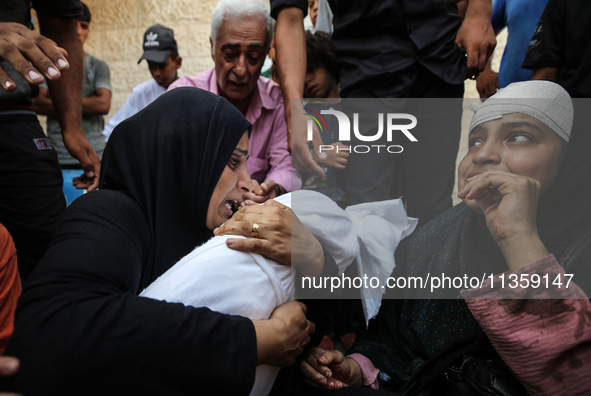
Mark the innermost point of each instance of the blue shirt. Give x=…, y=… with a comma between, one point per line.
x=520, y=17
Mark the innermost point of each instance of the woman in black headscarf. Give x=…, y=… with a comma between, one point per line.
x=521, y=152
x=170, y=175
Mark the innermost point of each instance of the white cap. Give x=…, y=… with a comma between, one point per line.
x=545, y=101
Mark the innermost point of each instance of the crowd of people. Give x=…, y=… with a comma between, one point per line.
x=209, y=199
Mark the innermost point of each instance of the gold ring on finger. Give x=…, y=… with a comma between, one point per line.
x=255, y=230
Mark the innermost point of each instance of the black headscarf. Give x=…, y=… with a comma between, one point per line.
x=168, y=158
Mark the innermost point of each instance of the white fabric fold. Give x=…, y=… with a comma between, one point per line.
x=250, y=285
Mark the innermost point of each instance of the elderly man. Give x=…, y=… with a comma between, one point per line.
x=241, y=34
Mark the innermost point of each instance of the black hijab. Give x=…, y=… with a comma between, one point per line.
x=168, y=159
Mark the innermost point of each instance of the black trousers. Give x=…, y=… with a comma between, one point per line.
x=31, y=198
x=424, y=173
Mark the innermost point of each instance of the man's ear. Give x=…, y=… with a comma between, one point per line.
x=211, y=46
x=179, y=62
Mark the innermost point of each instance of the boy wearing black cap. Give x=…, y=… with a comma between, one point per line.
x=96, y=102
x=161, y=53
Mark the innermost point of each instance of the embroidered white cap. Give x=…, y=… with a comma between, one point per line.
x=545, y=101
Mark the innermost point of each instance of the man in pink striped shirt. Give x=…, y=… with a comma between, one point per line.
x=241, y=34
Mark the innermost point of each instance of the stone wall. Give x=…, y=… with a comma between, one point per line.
x=117, y=30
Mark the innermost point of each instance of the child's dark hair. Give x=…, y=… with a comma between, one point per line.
x=85, y=17
x=320, y=53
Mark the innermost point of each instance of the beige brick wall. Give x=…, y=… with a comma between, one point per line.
x=117, y=30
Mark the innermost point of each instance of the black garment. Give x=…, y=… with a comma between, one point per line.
x=380, y=43
x=561, y=40
x=408, y=332
x=19, y=10
x=31, y=198
x=401, y=49
x=424, y=173
x=80, y=326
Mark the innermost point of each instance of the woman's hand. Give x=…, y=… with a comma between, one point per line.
x=282, y=338
x=330, y=370
x=509, y=203
x=281, y=236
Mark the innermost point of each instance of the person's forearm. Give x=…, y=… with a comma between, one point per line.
x=545, y=73
x=66, y=92
x=520, y=251
x=96, y=104
x=462, y=4
x=476, y=36
x=265, y=340
x=481, y=8
x=291, y=54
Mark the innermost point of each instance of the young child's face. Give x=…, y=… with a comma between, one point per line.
x=320, y=84
x=313, y=5
x=83, y=29
x=165, y=73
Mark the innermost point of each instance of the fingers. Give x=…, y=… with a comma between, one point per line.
x=8, y=366
x=252, y=245
x=248, y=202
x=476, y=37
x=317, y=368
x=313, y=377
x=273, y=237
x=26, y=50
x=252, y=198
x=256, y=189
x=261, y=192
x=303, y=161
x=91, y=173
x=303, y=307
x=476, y=61
x=336, y=158
x=497, y=184
x=89, y=162
x=256, y=195
x=267, y=187
x=278, y=205
x=5, y=80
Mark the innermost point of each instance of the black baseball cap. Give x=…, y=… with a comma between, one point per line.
x=159, y=43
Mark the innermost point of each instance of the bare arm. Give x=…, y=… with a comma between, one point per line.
x=66, y=96
x=282, y=337
x=487, y=82
x=99, y=103
x=546, y=73
x=290, y=47
x=476, y=35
